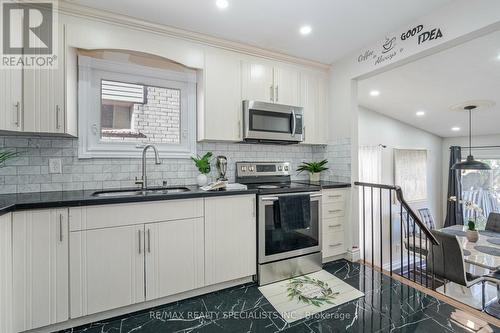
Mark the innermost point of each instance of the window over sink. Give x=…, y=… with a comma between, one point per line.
x=124, y=106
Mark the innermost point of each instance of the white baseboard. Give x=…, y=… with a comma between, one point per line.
x=140, y=306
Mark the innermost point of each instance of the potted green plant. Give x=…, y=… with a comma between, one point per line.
x=6, y=155
x=472, y=234
x=314, y=168
x=203, y=165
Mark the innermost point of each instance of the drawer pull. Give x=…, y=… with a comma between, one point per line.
x=335, y=196
x=140, y=246
x=335, y=245
x=334, y=225
x=335, y=211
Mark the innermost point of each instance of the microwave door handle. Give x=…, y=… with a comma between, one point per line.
x=294, y=123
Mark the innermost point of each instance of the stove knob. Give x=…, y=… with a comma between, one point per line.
x=286, y=167
x=280, y=168
x=252, y=169
x=243, y=168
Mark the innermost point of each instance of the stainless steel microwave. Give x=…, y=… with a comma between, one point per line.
x=268, y=122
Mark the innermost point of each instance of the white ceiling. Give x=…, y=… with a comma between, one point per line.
x=470, y=71
x=340, y=27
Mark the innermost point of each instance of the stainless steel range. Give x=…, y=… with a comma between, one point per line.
x=283, y=252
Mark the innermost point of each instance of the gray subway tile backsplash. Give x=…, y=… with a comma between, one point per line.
x=30, y=171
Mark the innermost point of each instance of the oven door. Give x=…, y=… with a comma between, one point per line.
x=277, y=244
x=276, y=122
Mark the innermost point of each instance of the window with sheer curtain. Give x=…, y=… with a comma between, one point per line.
x=410, y=173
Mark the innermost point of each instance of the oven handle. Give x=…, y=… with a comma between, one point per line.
x=294, y=122
x=313, y=195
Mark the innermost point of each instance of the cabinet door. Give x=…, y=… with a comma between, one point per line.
x=309, y=99
x=44, y=95
x=40, y=268
x=11, y=99
x=323, y=111
x=6, y=273
x=174, y=257
x=107, y=269
x=223, y=107
x=257, y=81
x=286, y=85
x=230, y=236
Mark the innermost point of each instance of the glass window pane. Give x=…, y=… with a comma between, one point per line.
x=482, y=188
x=127, y=115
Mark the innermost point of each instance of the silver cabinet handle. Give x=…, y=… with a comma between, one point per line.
x=335, y=245
x=335, y=196
x=312, y=195
x=304, y=134
x=239, y=129
x=58, y=109
x=294, y=123
x=334, y=210
x=140, y=247
x=277, y=96
x=60, y=228
x=149, y=240
x=272, y=93
x=334, y=225
x=18, y=114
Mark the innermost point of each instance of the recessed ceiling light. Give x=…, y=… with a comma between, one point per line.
x=374, y=93
x=455, y=129
x=420, y=113
x=305, y=30
x=222, y=4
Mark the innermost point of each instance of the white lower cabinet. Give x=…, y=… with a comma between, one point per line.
x=6, y=273
x=333, y=220
x=107, y=269
x=174, y=257
x=230, y=238
x=39, y=268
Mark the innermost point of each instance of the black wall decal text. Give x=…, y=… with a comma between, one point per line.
x=429, y=35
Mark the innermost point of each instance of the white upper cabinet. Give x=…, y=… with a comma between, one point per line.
x=270, y=82
x=40, y=268
x=11, y=99
x=314, y=99
x=34, y=100
x=220, y=111
x=257, y=81
x=174, y=257
x=44, y=95
x=286, y=85
x=230, y=238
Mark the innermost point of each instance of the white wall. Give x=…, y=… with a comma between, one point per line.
x=375, y=128
x=479, y=140
x=459, y=21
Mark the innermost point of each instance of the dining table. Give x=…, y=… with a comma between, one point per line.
x=484, y=253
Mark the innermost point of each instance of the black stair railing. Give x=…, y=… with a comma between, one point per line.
x=415, y=239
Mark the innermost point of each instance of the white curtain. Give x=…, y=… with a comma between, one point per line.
x=370, y=171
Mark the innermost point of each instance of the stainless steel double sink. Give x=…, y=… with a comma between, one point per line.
x=139, y=192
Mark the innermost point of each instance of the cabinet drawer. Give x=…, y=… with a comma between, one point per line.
x=96, y=217
x=334, y=196
x=333, y=244
x=335, y=209
x=335, y=224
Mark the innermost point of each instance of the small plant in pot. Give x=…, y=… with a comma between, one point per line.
x=203, y=165
x=472, y=234
x=314, y=168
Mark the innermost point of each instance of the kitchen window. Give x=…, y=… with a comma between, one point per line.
x=124, y=106
x=483, y=188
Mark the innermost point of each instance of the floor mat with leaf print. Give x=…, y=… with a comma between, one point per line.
x=307, y=295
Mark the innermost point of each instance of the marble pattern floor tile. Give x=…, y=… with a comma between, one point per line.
x=388, y=306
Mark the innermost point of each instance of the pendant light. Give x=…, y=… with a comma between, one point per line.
x=470, y=163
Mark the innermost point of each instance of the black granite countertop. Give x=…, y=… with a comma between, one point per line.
x=38, y=200
x=325, y=184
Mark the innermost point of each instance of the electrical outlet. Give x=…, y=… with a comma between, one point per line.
x=55, y=165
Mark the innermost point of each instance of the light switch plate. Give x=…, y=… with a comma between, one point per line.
x=55, y=165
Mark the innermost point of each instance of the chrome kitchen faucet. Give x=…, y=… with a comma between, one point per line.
x=144, y=179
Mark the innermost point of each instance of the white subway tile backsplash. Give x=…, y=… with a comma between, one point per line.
x=29, y=172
